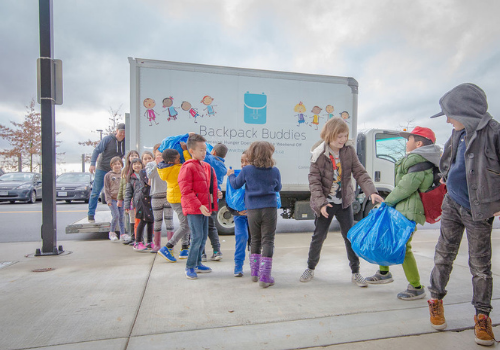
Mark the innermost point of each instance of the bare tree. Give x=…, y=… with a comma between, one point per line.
x=25, y=140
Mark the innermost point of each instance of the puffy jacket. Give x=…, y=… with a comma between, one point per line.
x=195, y=179
x=321, y=176
x=405, y=197
x=132, y=192
x=170, y=173
x=123, y=187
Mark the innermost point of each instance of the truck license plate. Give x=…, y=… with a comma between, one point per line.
x=4, y=193
x=62, y=194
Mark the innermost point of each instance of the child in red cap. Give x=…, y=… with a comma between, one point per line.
x=420, y=149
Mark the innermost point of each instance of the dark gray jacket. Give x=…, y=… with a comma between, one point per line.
x=482, y=165
x=108, y=148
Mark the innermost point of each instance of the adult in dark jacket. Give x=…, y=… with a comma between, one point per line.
x=471, y=168
x=110, y=146
x=332, y=164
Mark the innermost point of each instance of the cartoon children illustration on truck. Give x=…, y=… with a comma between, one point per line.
x=300, y=108
x=207, y=101
x=329, y=112
x=150, y=113
x=167, y=104
x=315, y=118
x=186, y=106
x=345, y=115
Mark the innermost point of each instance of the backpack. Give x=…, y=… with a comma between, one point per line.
x=432, y=199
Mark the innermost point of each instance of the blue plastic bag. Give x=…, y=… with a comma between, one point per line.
x=174, y=142
x=235, y=199
x=381, y=237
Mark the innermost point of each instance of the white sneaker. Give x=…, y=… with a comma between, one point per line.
x=125, y=237
x=359, y=280
x=112, y=237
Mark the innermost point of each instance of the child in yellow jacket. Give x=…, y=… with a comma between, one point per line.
x=168, y=170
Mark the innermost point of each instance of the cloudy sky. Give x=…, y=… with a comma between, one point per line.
x=404, y=54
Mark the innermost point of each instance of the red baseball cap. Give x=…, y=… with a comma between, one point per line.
x=424, y=132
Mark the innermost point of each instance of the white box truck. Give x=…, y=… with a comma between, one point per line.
x=237, y=106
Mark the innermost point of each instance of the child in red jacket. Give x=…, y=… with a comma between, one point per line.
x=198, y=185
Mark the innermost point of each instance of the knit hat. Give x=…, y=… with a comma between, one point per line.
x=420, y=131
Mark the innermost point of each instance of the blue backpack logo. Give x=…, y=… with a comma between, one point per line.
x=255, y=108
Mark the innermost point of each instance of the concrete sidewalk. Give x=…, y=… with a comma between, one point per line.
x=106, y=296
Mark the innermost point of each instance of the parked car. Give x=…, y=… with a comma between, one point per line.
x=74, y=186
x=20, y=187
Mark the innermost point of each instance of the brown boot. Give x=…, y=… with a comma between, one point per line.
x=482, y=330
x=436, y=311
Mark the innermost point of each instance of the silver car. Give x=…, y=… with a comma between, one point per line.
x=20, y=187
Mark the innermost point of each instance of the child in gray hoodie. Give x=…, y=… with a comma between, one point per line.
x=471, y=169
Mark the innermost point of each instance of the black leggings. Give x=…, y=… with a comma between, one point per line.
x=140, y=229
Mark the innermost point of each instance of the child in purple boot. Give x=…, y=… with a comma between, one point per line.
x=262, y=180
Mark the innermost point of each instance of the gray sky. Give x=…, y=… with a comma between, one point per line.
x=405, y=55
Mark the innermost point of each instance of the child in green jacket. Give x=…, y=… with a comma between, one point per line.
x=405, y=198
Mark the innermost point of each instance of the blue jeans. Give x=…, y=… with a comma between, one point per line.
x=116, y=217
x=198, y=224
x=241, y=237
x=96, y=190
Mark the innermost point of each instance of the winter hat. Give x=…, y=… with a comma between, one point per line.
x=420, y=131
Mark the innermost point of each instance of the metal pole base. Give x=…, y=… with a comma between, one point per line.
x=56, y=251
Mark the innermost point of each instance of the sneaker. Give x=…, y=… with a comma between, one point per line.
x=132, y=242
x=204, y=257
x=378, y=278
x=307, y=275
x=202, y=269
x=482, y=330
x=238, y=269
x=124, y=238
x=412, y=293
x=217, y=256
x=129, y=241
x=436, y=311
x=112, y=237
x=191, y=274
x=140, y=247
x=154, y=249
x=91, y=218
x=183, y=254
x=149, y=245
x=359, y=280
x=166, y=253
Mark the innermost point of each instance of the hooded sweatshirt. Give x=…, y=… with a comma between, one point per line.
x=108, y=148
x=470, y=164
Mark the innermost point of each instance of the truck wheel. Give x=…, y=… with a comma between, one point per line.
x=224, y=220
x=369, y=206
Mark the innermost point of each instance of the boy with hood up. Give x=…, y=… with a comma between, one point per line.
x=420, y=148
x=471, y=168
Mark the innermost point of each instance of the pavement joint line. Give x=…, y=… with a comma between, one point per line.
x=431, y=330
x=140, y=303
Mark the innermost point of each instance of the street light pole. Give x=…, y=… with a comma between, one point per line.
x=47, y=102
x=100, y=133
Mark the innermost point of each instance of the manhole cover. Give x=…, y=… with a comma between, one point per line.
x=6, y=263
x=45, y=269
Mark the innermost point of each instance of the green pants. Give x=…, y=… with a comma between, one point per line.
x=409, y=265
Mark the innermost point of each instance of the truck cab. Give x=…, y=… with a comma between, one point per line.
x=378, y=150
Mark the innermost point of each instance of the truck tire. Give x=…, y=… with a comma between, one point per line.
x=224, y=220
x=369, y=206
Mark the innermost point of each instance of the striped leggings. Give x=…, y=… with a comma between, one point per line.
x=162, y=210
